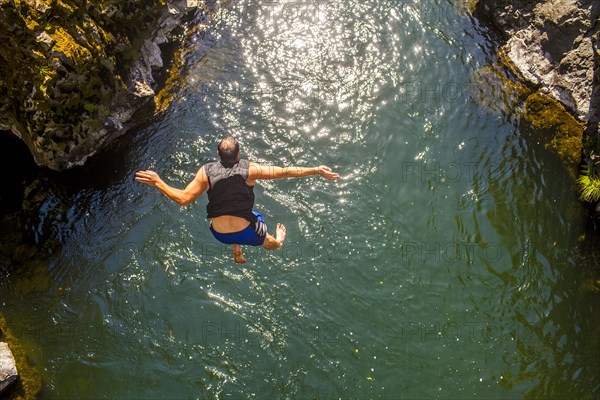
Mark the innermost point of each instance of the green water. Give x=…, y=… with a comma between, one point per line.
x=446, y=263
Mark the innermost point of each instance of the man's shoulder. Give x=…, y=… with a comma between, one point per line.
x=254, y=164
x=209, y=166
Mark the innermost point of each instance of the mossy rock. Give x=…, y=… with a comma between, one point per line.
x=557, y=128
x=545, y=113
x=464, y=7
x=493, y=90
x=29, y=384
x=65, y=43
x=166, y=95
x=64, y=62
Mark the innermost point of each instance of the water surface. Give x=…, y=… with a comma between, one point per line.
x=445, y=264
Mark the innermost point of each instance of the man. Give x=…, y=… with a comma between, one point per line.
x=229, y=184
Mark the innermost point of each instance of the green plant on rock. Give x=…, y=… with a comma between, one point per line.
x=91, y=108
x=44, y=70
x=588, y=184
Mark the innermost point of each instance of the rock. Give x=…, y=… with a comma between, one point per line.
x=44, y=39
x=142, y=89
x=74, y=74
x=552, y=46
x=152, y=54
x=543, y=112
x=556, y=128
x=29, y=382
x=8, y=369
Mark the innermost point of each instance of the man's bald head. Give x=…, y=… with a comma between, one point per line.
x=228, y=150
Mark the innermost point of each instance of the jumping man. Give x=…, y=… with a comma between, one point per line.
x=229, y=184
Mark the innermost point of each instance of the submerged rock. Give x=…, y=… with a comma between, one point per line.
x=73, y=75
x=567, y=132
x=556, y=128
x=8, y=369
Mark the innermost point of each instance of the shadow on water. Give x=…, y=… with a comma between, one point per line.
x=18, y=172
x=105, y=169
x=37, y=205
x=18, y=168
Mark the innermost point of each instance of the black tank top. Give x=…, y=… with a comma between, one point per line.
x=228, y=193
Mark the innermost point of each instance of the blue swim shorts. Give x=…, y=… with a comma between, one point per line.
x=253, y=235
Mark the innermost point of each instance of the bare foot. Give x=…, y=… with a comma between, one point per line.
x=280, y=235
x=238, y=256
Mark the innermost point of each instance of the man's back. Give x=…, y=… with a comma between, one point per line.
x=228, y=193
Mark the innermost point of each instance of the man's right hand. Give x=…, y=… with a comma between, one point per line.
x=148, y=177
x=327, y=173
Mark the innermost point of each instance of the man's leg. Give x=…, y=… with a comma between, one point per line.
x=238, y=256
x=272, y=243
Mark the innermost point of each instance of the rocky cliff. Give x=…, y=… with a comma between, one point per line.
x=74, y=73
x=553, y=47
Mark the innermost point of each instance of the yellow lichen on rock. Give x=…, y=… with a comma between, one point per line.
x=505, y=61
x=65, y=5
x=165, y=96
x=31, y=23
x=492, y=89
x=44, y=77
x=67, y=62
x=464, y=7
x=544, y=112
x=38, y=54
x=66, y=44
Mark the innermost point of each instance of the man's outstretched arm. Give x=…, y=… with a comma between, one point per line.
x=183, y=197
x=258, y=171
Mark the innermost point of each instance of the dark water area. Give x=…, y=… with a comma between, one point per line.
x=452, y=260
x=18, y=168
